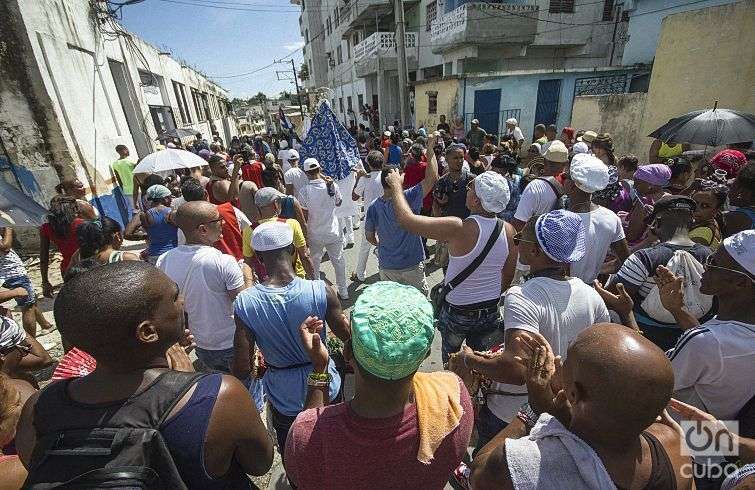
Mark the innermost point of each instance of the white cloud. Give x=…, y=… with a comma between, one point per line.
x=293, y=46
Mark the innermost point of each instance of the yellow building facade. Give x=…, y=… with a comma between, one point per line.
x=433, y=99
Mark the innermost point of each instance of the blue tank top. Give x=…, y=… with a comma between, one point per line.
x=394, y=155
x=163, y=236
x=186, y=432
x=274, y=315
x=287, y=208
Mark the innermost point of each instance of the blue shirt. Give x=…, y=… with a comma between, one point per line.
x=274, y=316
x=397, y=248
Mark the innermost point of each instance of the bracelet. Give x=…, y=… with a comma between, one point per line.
x=317, y=384
x=527, y=415
x=320, y=377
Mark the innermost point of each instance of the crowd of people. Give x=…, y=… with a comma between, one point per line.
x=589, y=302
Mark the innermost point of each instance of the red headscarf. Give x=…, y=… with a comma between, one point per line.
x=730, y=161
x=569, y=132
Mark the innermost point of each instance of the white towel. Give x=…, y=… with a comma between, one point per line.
x=552, y=458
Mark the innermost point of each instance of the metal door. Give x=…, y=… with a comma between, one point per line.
x=487, y=104
x=546, y=111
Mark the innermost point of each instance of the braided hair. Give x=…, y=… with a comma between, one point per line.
x=63, y=212
x=95, y=235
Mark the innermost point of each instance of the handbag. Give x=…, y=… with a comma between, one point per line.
x=439, y=292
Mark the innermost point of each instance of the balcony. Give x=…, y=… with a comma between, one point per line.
x=357, y=13
x=483, y=23
x=383, y=44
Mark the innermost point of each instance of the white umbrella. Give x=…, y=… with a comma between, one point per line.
x=168, y=159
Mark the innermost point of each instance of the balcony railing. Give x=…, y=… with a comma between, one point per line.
x=485, y=23
x=382, y=43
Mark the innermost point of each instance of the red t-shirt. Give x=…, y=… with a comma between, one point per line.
x=253, y=172
x=414, y=174
x=230, y=243
x=370, y=453
x=67, y=245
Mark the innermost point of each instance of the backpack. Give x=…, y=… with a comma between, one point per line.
x=683, y=264
x=115, y=445
x=557, y=189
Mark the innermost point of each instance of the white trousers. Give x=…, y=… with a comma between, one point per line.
x=364, y=253
x=335, y=253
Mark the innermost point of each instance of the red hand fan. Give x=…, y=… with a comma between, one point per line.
x=75, y=364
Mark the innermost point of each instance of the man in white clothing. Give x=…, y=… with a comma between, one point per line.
x=209, y=281
x=588, y=174
x=294, y=178
x=549, y=303
x=320, y=198
x=368, y=188
x=282, y=157
x=542, y=194
x=513, y=130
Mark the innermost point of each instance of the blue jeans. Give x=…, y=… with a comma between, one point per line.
x=22, y=282
x=221, y=360
x=481, y=328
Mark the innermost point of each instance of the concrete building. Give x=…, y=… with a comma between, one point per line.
x=696, y=63
x=73, y=85
x=525, y=59
x=350, y=48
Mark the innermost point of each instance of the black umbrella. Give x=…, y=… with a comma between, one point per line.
x=713, y=127
x=18, y=209
x=176, y=133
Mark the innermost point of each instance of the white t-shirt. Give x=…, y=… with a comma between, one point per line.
x=296, y=177
x=322, y=224
x=283, y=158
x=559, y=311
x=241, y=217
x=205, y=276
x=602, y=228
x=714, y=367
x=538, y=198
x=516, y=133
x=369, y=188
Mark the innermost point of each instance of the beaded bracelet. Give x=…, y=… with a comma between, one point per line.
x=320, y=377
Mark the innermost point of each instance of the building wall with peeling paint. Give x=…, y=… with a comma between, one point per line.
x=61, y=110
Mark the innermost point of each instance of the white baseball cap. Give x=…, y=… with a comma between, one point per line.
x=266, y=196
x=556, y=152
x=311, y=164
x=293, y=155
x=475, y=121
x=272, y=235
x=387, y=134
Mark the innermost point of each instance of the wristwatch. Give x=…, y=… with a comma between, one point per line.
x=528, y=416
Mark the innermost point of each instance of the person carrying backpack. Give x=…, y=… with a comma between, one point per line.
x=670, y=222
x=133, y=422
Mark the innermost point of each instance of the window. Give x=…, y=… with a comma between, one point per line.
x=339, y=54
x=375, y=101
x=431, y=14
x=306, y=36
x=360, y=101
x=336, y=17
x=328, y=26
x=432, y=102
x=348, y=104
x=561, y=7
x=183, y=108
x=303, y=5
x=348, y=49
x=607, y=10
x=340, y=104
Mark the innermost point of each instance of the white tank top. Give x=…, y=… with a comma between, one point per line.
x=484, y=284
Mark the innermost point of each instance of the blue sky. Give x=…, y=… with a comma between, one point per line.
x=223, y=42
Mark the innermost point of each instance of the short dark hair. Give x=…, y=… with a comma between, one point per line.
x=215, y=160
x=540, y=127
x=629, y=162
x=192, y=190
x=474, y=152
x=552, y=127
x=120, y=148
x=101, y=320
x=375, y=160
x=150, y=180
x=746, y=178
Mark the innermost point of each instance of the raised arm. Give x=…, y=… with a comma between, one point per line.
x=431, y=172
x=444, y=228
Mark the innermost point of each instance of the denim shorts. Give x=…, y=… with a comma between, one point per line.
x=22, y=282
x=221, y=361
x=481, y=329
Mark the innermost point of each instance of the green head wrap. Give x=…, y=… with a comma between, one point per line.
x=391, y=329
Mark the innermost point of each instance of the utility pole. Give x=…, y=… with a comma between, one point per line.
x=398, y=11
x=298, y=94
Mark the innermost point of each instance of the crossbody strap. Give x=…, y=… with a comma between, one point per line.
x=554, y=184
x=468, y=270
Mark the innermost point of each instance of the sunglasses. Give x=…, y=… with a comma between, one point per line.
x=219, y=220
x=708, y=264
x=518, y=239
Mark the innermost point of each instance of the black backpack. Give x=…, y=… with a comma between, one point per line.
x=116, y=445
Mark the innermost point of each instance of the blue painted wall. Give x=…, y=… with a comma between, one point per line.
x=645, y=18
x=520, y=92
